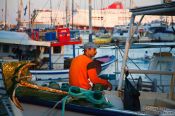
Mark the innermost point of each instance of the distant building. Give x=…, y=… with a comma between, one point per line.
x=46, y=18
x=108, y=17
x=102, y=18
x=113, y=15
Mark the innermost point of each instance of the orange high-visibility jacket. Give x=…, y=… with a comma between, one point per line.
x=82, y=72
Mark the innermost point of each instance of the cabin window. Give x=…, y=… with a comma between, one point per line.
x=5, y=48
x=57, y=49
x=46, y=50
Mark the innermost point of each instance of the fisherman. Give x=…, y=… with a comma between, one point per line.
x=83, y=72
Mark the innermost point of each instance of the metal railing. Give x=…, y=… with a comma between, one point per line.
x=172, y=81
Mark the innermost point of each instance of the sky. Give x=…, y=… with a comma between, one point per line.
x=12, y=5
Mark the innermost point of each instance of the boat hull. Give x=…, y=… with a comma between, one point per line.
x=99, y=40
x=64, y=74
x=44, y=106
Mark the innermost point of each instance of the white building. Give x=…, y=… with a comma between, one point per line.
x=112, y=15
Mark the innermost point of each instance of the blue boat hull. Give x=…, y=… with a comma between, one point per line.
x=80, y=109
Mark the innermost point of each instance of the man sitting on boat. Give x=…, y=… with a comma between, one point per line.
x=83, y=70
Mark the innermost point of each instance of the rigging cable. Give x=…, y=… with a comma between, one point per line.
x=172, y=23
x=101, y=9
x=35, y=14
x=45, y=4
x=48, y=113
x=55, y=19
x=120, y=50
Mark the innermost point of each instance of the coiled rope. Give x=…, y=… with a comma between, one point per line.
x=94, y=97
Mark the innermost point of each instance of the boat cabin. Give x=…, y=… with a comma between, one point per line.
x=15, y=46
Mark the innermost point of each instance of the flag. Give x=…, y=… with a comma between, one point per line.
x=25, y=10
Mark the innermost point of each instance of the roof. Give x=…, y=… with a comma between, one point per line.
x=166, y=9
x=21, y=38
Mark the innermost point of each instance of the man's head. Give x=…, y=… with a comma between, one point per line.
x=89, y=45
x=90, y=49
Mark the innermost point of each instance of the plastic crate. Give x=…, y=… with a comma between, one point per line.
x=63, y=34
x=50, y=36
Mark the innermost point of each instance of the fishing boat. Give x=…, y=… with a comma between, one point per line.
x=121, y=35
x=46, y=98
x=128, y=100
x=103, y=39
x=50, y=66
x=54, y=100
x=160, y=31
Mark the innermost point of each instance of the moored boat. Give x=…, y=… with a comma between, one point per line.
x=53, y=101
x=49, y=65
x=103, y=39
x=78, y=100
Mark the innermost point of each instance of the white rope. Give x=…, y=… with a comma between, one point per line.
x=52, y=109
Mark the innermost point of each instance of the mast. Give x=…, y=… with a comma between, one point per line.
x=51, y=12
x=101, y=11
x=5, y=26
x=19, y=13
x=72, y=14
x=73, y=26
x=67, y=24
x=90, y=20
x=29, y=14
x=127, y=46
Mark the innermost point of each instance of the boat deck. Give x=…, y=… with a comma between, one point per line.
x=5, y=107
